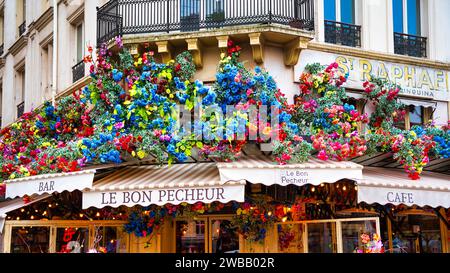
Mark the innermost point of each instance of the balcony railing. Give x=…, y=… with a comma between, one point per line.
x=118, y=17
x=20, y=109
x=22, y=29
x=411, y=45
x=1, y=49
x=78, y=71
x=342, y=33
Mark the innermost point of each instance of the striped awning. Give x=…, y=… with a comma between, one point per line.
x=258, y=169
x=392, y=186
x=175, y=184
x=49, y=183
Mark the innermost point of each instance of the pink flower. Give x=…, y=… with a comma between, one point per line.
x=118, y=125
x=322, y=155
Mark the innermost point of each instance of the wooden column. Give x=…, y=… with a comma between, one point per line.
x=444, y=232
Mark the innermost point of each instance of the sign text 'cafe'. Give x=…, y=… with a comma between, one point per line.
x=416, y=81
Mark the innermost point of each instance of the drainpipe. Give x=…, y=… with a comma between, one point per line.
x=55, y=51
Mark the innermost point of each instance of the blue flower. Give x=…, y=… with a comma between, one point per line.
x=117, y=75
x=257, y=69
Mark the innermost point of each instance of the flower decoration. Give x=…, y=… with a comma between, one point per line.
x=370, y=244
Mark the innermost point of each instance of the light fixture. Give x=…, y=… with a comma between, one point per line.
x=98, y=214
x=313, y=189
x=284, y=219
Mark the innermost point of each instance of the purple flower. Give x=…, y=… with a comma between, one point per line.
x=119, y=42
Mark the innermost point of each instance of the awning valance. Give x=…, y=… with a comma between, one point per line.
x=49, y=183
x=264, y=171
x=146, y=185
x=392, y=186
x=423, y=103
x=16, y=203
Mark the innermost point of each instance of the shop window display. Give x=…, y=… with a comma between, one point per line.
x=224, y=237
x=190, y=236
x=417, y=234
x=30, y=239
x=352, y=231
x=110, y=239
x=290, y=238
x=322, y=237
x=72, y=240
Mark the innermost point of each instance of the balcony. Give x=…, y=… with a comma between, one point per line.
x=22, y=29
x=20, y=109
x=78, y=71
x=342, y=34
x=120, y=17
x=411, y=45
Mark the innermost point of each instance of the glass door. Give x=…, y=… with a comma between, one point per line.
x=72, y=240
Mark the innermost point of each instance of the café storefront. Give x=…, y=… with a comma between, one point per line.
x=325, y=208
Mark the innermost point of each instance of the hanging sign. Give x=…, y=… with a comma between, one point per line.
x=415, y=81
x=163, y=196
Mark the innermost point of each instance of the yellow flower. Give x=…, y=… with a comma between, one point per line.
x=222, y=55
x=141, y=154
x=133, y=153
x=46, y=144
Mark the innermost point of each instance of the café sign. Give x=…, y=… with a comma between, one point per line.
x=49, y=183
x=407, y=196
x=416, y=81
x=162, y=196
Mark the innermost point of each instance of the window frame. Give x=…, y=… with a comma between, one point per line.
x=338, y=226
x=55, y=224
x=405, y=15
x=338, y=12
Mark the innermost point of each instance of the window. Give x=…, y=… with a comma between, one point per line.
x=415, y=115
x=416, y=234
x=325, y=236
x=30, y=240
x=58, y=237
x=46, y=70
x=406, y=16
x=211, y=234
x=190, y=8
x=340, y=26
x=340, y=11
x=80, y=43
x=20, y=92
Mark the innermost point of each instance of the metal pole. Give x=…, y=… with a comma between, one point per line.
x=55, y=51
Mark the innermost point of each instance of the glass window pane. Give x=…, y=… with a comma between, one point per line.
x=329, y=10
x=225, y=238
x=413, y=8
x=190, y=7
x=417, y=234
x=290, y=238
x=72, y=240
x=352, y=231
x=79, y=42
x=30, y=240
x=190, y=236
x=397, y=13
x=111, y=240
x=321, y=237
x=415, y=115
x=348, y=11
x=214, y=7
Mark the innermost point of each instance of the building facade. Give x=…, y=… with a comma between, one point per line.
x=400, y=40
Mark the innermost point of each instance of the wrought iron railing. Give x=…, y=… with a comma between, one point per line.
x=342, y=34
x=411, y=45
x=1, y=49
x=22, y=29
x=78, y=71
x=20, y=109
x=118, y=17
